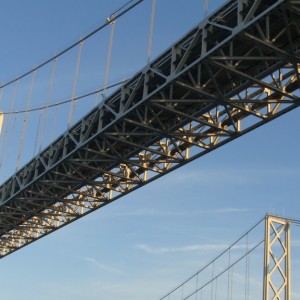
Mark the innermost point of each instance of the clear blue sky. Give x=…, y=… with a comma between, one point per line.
x=144, y=244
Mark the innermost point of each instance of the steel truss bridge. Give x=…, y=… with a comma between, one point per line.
x=235, y=71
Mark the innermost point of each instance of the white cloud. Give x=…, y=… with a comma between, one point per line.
x=194, y=248
x=149, y=212
x=153, y=212
x=227, y=175
x=227, y=210
x=101, y=266
x=189, y=248
x=209, y=177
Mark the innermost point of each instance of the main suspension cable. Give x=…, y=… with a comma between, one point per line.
x=113, y=17
x=57, y=104
x=217, y=257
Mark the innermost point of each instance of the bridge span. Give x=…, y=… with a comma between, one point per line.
x=235, y=71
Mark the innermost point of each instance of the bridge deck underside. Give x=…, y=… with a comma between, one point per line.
x=237, y=70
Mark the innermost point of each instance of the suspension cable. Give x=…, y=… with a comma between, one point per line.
x=48, y=101
x=65, y=101
x=197, y=282
x=151, y=32
x=53, y=128
x=1, y=96
x=97, y=97
x=229, y=270
x=234, y=263
x=73, y=102
x=25, y=120
x=212, y=278
x=226, y=269
x=231, y=284
x=5, y=138
x=11, y=138
x=247, y=271
x=2, y=123
x=216, y=258
x=111, y=38
x=114, y=16
x=248, y=281
x=205, y=8
x=216, y=291
x=37, y=133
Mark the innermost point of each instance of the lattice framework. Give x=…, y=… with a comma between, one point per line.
x=277, y=270
x=235, y=71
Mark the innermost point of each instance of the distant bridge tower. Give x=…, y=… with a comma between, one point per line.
x=277, y=259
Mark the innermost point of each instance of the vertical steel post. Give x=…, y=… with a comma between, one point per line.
x=277, y=259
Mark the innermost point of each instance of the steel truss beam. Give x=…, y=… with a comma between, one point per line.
x=235, y=71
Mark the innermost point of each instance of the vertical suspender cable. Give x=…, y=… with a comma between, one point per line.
x=246, y=267
x=216, y=291
x=205, y=8
x=97, y=98
x=73, y=103
x=12, y=135
x=25, y=121
x=151, y=32
x=1, y=118
x=212, y=277
x=11, y=143
x=1, y=94
x=1, y=135
x=5, y=137
x=53, y=128
x=182, y=291
x=113, y=24
x=231, y=283
x=247, y=271
x=229, y=270
x=37, y=132
x=197, y=283
x=48, y=102
x=248, y=280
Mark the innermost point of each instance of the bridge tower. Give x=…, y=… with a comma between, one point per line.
x=277, y=259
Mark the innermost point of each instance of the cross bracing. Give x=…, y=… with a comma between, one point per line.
x=235, y=71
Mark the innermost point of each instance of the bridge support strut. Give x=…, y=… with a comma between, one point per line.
x=277, y=259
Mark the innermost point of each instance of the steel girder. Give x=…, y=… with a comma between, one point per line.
x=237, y=70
